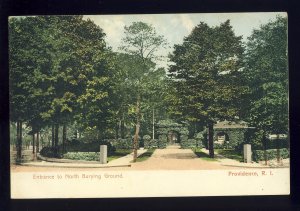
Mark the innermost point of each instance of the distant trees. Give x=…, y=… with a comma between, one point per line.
x=206, y=78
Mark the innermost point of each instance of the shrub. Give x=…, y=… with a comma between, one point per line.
x=199, y=139
x=77, y=146
x=188, y=143
x=150, y=144
x=271, y=154
x=121, y=143
x=88, y=156
x=49, y=152
x=162, y=141
x=146, y=137
x=218, y=146
x=94, y=146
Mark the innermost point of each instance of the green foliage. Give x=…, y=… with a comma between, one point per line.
x=266, y=74
x=146, y=137
x=162, y=141
x=121, y=143
x=165, y=126
x=271, y=154
x=208, y=61
x=142, y=40
x=219, y=146
x=60, y=70
x=88, y=156
x=95, y=156
x=140, y=44
x=188, y=143
x=236, y=138
x=94, y=146
x=152, y=143
x=49, y=152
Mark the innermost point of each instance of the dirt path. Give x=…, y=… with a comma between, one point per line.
x=162, y=159
x=176, y=159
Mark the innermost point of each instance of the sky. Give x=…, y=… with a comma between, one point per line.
x=174, y=27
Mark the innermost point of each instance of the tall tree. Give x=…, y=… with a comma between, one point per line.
x=266, y=73
x=24, y=63
x=141, y=42
x=205, y=75
x=58, y=64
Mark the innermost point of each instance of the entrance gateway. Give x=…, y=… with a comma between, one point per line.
x=173, y=138
x=171, y=133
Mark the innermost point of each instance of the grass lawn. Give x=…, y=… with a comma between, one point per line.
x=119, y=153
x=203, y=155
x=231, y=154
x=145, y=156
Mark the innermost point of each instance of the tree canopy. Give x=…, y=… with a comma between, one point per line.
x=63, y=73
x=266, y=74
x=205, y=74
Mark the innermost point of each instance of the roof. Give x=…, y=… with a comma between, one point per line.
x=228, y=124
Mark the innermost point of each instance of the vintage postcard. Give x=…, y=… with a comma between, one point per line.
x=149, y=105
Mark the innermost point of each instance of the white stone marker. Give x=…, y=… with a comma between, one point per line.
x=103, y=154
x=247, y=153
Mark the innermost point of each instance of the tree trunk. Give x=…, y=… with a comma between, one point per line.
x=19, y=142
x=278, y=150
x=49, y=140
x=33, y=143
x=33, y=146
x=153, y=128
x=56, y=140
x=265, y=148
x=137, y=129
x=37, y=142
x=64, y=138
x=211, y=139
x=53, y=135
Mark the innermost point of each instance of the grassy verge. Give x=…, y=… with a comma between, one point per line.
x=231, y=154
x=145, y=156
x=203, y=155
x=119, y=153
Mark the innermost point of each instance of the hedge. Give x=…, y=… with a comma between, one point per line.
x=271, y=154
x=94, y=146
x=89, y=156
x=77, y=146
x=162, y=141
x=49, y=152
